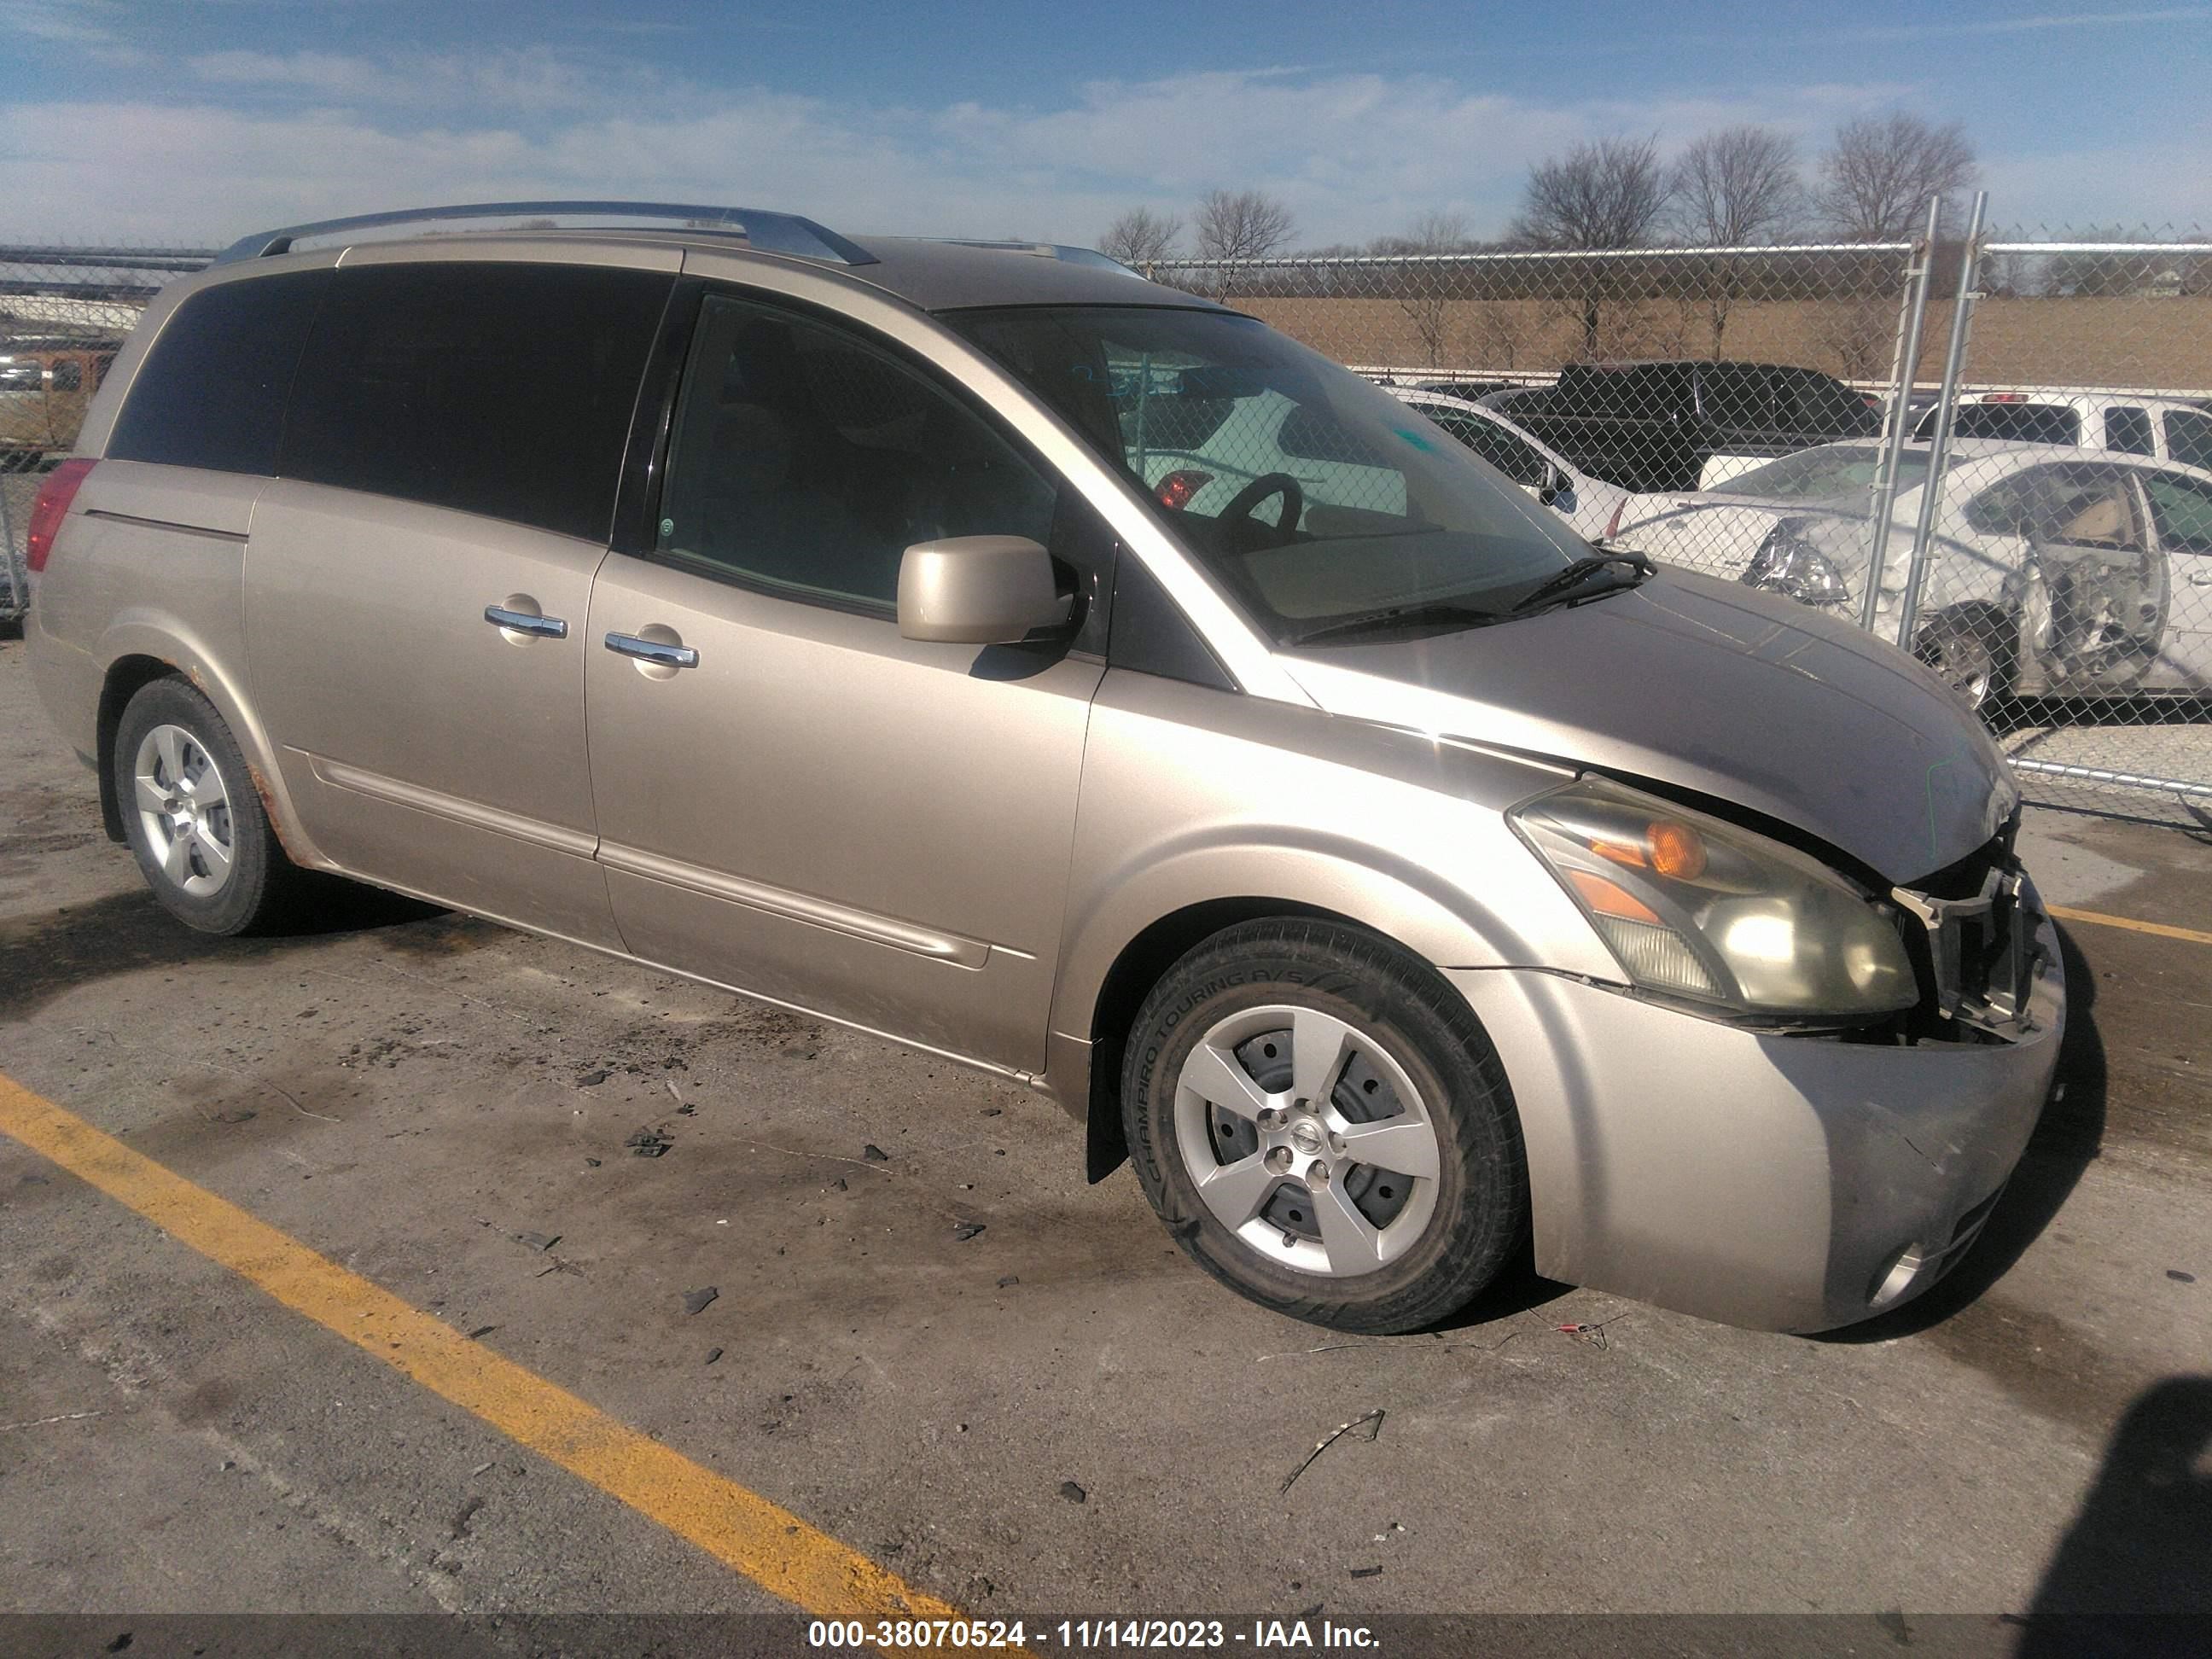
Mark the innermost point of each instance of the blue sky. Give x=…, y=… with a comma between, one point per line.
x=197, y=121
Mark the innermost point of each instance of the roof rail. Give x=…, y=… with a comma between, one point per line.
x=769, y=233
x=1072, y=255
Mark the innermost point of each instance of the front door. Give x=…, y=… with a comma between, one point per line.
x=793, y=799
x=2181, y=519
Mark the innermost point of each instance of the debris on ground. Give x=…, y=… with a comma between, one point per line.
x=460, y=1528
x=1010, y=1278
x=590, y=1079
x=694, y=1301
x=1367, y=1572
x=482, y=1331
x=1313, y=1612
x=235, y=1115
x=540, y=1242
x=2180, y=1277
x=713, y=1354
x=994, y=1111
x=1073, y=1493
x=875, y=1154
x=966, y=1230
x=1329, y=1439
x=479, y=1469
x=591, y=1163
x=1593, y=1334
x=840, y=1184
x=649, y=1143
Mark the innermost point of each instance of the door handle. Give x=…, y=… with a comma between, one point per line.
x=521, y=622
x=2199, y=578
x=652, y=651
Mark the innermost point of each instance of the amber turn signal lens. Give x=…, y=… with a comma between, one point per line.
x=1678, y=852
x=1607, y=900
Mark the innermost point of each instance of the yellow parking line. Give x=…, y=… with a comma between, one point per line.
x=2099, y=919
x=764, y=1541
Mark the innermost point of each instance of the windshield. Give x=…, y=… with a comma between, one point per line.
x=1828, y=473
x=1314, y=496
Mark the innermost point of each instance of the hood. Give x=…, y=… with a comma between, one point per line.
x=1712, y=687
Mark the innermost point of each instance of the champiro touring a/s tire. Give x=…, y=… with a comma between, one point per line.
x=193, y=818
x=1324, y=1127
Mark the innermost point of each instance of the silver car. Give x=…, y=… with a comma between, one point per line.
x=1396, y=879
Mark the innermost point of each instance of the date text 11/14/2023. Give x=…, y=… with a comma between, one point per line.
x=1281, y=1635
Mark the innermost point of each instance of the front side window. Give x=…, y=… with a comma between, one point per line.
x=2182, y=509
x=505, y=390
x=808, y=461
x=1313, y=496
x=2079, y=505
x=69, y=376
x=1518, y=461
x=1737, y=397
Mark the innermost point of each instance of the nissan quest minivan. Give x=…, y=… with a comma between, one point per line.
x=890, y=631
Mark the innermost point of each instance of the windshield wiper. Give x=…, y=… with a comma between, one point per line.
x=1441, y=613
x=1552, y=589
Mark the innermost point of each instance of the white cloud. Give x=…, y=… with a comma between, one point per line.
x=1354, y=155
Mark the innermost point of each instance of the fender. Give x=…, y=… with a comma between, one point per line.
x=145, y=631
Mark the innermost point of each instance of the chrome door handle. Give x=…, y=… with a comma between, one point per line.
x=521, y=622
x=668, y=656
x=2199, y=578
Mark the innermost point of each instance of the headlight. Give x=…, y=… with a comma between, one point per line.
x=1697, y=908
x=1788, y=564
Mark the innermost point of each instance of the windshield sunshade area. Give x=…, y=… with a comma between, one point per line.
x=1315, y=497
x=1831, y=472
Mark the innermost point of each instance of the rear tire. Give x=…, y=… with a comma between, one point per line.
x=1324, y=1126
x=193, y=817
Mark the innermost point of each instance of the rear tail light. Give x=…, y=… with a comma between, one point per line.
x=51, y=507
x=1178, y=488
x=1613, y=524
x=2004, y=397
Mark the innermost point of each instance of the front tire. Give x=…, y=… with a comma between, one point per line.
x=1972, y=653
x=1324, y=1126
x=192, y=815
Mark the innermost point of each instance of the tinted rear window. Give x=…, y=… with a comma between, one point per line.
x=2022, y=423
x=211, y=393
x=504, y=390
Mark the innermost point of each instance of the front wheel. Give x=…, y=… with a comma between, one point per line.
x=1972, y=651
x=1324, y=1127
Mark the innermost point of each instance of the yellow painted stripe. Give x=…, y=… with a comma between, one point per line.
x=764, y=1541
x=2099, y=919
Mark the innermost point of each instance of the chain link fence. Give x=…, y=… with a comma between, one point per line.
x=2012, y=432
x=1994, y=450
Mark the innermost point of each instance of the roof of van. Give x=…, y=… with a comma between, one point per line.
x=937, y=275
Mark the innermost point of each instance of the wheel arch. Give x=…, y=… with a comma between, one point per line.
x=1147, y=923
x=137, y=653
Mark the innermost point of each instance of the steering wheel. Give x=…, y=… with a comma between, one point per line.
x=1239, y=509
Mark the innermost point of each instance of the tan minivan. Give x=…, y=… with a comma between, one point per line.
x=892, y=629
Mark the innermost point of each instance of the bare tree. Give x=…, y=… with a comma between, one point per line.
x=1424, y=290
x=1733, y=188
x=1242, y=224
x=1141, y=237
x=1611, y=193
x=1876, y=180
x=1607, y=194
x=1736, y=186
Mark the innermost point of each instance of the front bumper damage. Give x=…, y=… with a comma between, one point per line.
x=1779, y=1182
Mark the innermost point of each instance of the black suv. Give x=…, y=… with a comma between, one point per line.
x=1654, y=425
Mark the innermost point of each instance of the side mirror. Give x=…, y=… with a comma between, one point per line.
x=1556, y=483
x=979, y=590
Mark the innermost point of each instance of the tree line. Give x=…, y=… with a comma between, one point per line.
x=1738, y=186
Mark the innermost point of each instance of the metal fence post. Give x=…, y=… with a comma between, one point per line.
x=1932, y=493
x=1912, y=318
